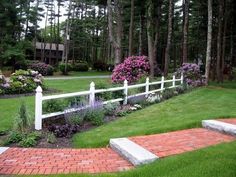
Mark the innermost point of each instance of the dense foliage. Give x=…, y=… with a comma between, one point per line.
x=21, y=81
x=132, y=69
x=42, y=68
x=80, y=66
x=192, y=74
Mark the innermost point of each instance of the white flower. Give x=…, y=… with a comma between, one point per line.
x=138, y=106
x=37, y=80
x=133, y=108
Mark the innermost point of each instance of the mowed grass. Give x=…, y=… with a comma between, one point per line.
x=73, y=85
x=9, y=107
x=181, y=112
x=216, y=161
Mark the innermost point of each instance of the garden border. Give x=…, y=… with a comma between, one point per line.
x=39, y=98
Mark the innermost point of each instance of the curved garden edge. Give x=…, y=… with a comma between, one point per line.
x=166, y=116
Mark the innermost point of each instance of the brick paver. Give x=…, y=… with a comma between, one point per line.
x=230, y=121
x=172, y=143
x=101, y=160
x=54, y=161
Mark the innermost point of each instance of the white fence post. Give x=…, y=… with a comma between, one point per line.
x=162, y=83
x=92, y=94
x=125, y=92
x=147, y=86
x=182, y=78
x=173, y=83
x=38, y=108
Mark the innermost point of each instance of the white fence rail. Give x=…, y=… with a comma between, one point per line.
x=39, y=98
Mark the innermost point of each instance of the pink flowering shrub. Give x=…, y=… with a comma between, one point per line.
x=192, y=74
x=132, y=69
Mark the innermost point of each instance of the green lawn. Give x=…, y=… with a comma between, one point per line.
x=216, y=161
x=9, y=107
x=181, y=112
x=73, y=85
x=184, y=111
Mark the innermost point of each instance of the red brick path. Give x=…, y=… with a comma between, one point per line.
x=230, y=121
x=167, y=144
x=54, y=161
x=58, y=161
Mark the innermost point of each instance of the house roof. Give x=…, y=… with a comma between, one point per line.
x=48, y=46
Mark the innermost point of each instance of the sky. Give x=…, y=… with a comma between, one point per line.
x=63, y=11
x=62, y=18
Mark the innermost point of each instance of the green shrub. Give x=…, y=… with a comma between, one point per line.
x=95, y=114
x=14, y=137
x=51, y=138
x=122, y=113
x=105, y=95
x=80, y=67
x=62, y=67
x=74, y=101
x=22, y=122
x=234, y=73
x=74, y=118
x=30, y=140
x=100, y=65
x=95, y=117
x=168, y=93
x=53, y=106
x=110, y=108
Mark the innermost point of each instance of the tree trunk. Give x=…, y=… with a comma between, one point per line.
x=67, y=38
x=141, y=24
x=209, y=42
x=58, y=28
x=185, y=30
x=167, y=51
x=219, y=43
x=35, y=28
x=44, y=39
x=131, y=29
x=116, y=43
x=27, y=18
x=152, y=34
x=150, y=38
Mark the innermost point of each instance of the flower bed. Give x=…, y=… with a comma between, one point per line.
x=21, y=82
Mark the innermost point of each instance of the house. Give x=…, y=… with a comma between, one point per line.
x=48, y=53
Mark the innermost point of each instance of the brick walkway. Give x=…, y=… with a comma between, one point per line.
x=54, y=161
x=167, y=144
x=61, y=161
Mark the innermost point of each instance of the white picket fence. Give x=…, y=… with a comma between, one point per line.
x=39, y=98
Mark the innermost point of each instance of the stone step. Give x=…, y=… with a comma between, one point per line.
x=220, y=126
x=131, y=151
x=3, y=149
